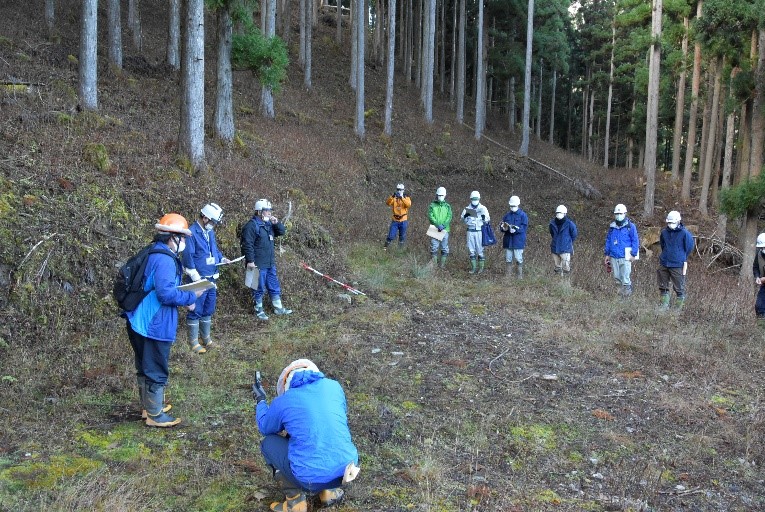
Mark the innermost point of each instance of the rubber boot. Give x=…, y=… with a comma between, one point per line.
x=679, y=303
x=481, y=264
x=278, y=308
x=329, y=497
x=508, y=270
x=387, y=243
x=156, y=417
x=443, y=261
x=472, y=266
x=664, y=305
x=205, y=323
x=141, y=381
x=193, y=326
x=627, y=290
x=519, y=270
x=760, y=321
x=433, y=260
x=260, y=312
x=295, y=497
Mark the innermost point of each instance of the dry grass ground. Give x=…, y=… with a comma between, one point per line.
x=465, y=392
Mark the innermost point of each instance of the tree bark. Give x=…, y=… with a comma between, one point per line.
x=680, y=106
x=480, y=91
x=50, y=17
x=590, y=125
x=716, y=70
x=722, y=219
x=308, y=53
x=461, y=66
x=705, y=118
x=113, y=15
x=88, y=55
x=442, y=59
x=429, y=67
x=339, y=21
x=539, y=102
x=224, y=104
x=266, y=94
x=360, y=16
x=607, y=137
x=454, y=55
x=354, y=44
x=685, y=193
x=191, y=140
x=512, y=110
x=552, y=106
x=391, y=68
x=134, y=23
x=174, y=34
x=652, y=111
x=527, y=80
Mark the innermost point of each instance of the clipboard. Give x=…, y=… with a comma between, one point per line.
x=472, y=212
x=434, y=233
x=202, y=285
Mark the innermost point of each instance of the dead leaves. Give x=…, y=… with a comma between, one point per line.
x=603, y=415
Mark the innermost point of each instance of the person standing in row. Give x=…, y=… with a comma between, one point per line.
x=200, y=261
x=676, y=247
x=621, y=249
x=758, y=269
x=152, y=325
x=475, y=215
x=514, y=225
x=563, y=232
x=440, y=215
x=400, y=202
x=258, y=248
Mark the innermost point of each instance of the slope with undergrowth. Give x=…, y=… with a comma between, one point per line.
x=464, y=393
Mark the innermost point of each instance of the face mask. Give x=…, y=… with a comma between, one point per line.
x=619, y=217
x=440, y=198
x=672, y=225
x=513, y=208
x=474, y=202
x=559, y=216
x=265, y=215
x=209, y=226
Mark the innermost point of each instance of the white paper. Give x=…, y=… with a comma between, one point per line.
x=434, y=233
x=203, y=284
x=251, y=278
x=229, y=262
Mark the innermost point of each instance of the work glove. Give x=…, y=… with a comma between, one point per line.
x=193, y=274
x=512, y=230
x=258, y=393
x=251, y=265
x=466, y=215
x=440, y=227
x=225, y=260
x=483, y=218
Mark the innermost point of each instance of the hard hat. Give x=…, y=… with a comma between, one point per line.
x=262, y=204
x=561, y=209
x=761, y=240
x=514, y=201
x=475, y=195
x=285, y=378
x=173, y=223
x=441, y=191
x=620, y=208
x=213, y=212
x=400, y=186
x=673, y=216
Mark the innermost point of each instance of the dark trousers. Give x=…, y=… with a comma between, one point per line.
x=205, y=305
x=151, y=357
x=759, y=305
x=275, y=449
x=664, y=275
x=267, y=281
x=398, y=228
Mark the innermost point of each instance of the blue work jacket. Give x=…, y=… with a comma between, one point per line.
x=676, y=246
x=258, y=242
x=563, y=235
x=515, y=240
x=619, y=238
x=200, y=246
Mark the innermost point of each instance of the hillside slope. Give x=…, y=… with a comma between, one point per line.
x=464, y=392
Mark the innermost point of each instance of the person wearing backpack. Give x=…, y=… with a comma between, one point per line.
x=621, y=249
x=152, y=325
x=200, y=260
x=258, y=249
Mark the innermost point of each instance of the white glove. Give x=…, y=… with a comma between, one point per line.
x=193, y=274
x=512, y=230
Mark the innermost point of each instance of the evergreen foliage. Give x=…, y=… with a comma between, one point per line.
x=266, y=57
x=737, y=201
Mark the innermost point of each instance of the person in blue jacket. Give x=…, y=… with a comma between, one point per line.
x=563, y=232
x=622, y=248
x=307, y=441
x=151, y=327
x=258, y=249
x=514, y=225
x=676, y=247
x=200, y=261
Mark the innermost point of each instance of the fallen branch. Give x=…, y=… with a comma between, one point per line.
x=46, y=238
x=499, y=356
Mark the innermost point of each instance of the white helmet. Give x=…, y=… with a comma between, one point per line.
x=620, y=208
x=561, y=209
x=213, y=212
x=400, y=186
x=673, y=216
x=760, y=240
x=475, y=195
x=262, y=204
x=441, y=191
x=285, y=378
x=514, y=201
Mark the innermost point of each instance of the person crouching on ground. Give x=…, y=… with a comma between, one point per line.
x=440, y=215
x=475, y=215
x=400, y=202
x=514, y=225
x=151, y=326
x=563, y=233
x=315, y=453
x=200, y=260
x=621, y=249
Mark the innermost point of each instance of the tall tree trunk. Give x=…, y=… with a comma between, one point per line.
x=652, y=110
x=391, y=67
x=552, y=106
x=339, y=22
x=191, y=139
x=585, y=110
x=88, y=55
x=722, y=219
x=744, y=143
x=174, y=34
x=286, y=22
x=756, y=160
x=418, y=36
x=354, y=44
x=512, y=108
x=461, y=67
x=429, y=62
x=442, y=60
x=266, y=94
x=113, y=15
x=50, y=17
x=527, y=80
x=590, y=125
x=480, y=85
x=539, y=101
x=360, y=16
x=308, y=52
x=607, y=138
x=303, y=20
x=134, y=23
x=685, y=193
x=680, y=106
x=224, y=103
x=709, y=160
x=705, y=118
x=453, y=60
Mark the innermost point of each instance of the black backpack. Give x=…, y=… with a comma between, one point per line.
x=128, y=283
